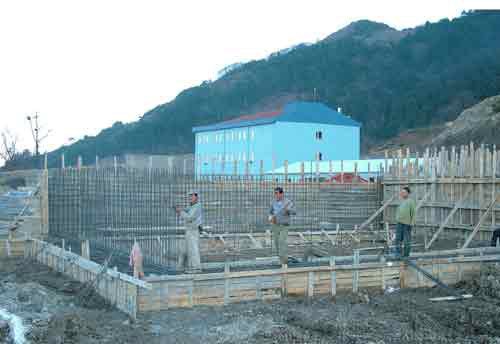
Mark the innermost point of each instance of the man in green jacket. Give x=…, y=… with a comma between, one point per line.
x=405, y=218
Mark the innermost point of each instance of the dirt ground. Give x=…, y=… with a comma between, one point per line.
x=57, y=310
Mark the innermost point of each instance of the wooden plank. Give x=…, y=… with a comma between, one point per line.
x=451, y=298
x=493, y=183
x=333, y=277
x=421, y=202
x=478, y=225
x=378, y=212
x=310, y=284
x=448, y=218
x=355, y=275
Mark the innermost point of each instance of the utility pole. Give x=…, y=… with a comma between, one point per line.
x=36, y=132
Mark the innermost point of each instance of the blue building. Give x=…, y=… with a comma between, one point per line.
x=300, y=131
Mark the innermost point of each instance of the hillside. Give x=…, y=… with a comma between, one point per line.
x=389, y=80
x=479, y=123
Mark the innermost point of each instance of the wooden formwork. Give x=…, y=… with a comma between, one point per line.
x=12, y=248
x=339, y=275
x=117, y=288
x=232, y=287
x=457, y=188
x=238, y=286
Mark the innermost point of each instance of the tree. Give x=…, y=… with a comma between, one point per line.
x=8, y=149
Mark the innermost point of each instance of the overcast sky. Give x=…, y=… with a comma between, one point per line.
x=82, y=65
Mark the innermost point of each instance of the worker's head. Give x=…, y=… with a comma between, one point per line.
x=405, y=192
x=193, y=197
x=278, y=193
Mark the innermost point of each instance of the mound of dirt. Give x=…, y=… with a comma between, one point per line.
x=64, y=328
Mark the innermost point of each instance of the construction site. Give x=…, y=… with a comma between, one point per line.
x=67, y=235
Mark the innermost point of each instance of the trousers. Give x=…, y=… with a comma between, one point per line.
x=189, y=252
x=280, y=238
x=403, y=236
x=495, y=237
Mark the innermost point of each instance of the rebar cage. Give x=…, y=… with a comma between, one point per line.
x=113, y=207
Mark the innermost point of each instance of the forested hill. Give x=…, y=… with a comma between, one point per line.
x=387, y=79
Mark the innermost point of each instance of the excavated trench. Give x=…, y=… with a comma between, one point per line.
x=55, y=310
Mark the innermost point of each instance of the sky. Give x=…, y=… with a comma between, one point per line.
x=83, y=65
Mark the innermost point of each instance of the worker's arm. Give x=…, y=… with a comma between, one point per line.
x=271, y=210
x=190, y=215
x=290, y=208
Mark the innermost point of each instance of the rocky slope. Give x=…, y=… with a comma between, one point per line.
x=479, y=123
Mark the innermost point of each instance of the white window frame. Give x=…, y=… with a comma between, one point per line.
x=252, y=134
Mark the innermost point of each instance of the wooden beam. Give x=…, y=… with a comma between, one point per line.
x=481, y=220
x=328, y=237
x=422, y=200
x=255, y=243
x=451, y=298
x=374, y=215
x=448, y=218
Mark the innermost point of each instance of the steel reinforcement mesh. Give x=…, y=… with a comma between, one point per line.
x=112, y=208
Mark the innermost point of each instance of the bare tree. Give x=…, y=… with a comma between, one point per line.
x=36, y=132
x=8, y=146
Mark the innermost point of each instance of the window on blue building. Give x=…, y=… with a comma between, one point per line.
x=319, y=135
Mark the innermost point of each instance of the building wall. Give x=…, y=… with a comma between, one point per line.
x=297, y=142
x=217, y=150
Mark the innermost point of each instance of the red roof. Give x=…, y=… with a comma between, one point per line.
x=348, y=178
x=259, y=115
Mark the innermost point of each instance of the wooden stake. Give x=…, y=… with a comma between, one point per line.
x=493, y=183
x=355, y=273
x=333, y=277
